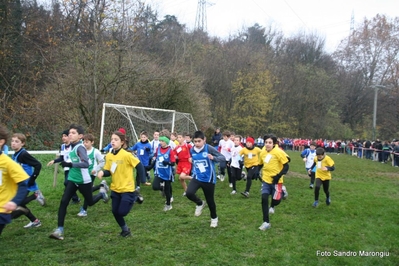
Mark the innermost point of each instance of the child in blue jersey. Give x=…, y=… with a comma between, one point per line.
x=65, y=149
x=32, y=167
x=308, y=157
x=143, y=151
x=78, y=178
x=203, y=158
x=164, y=161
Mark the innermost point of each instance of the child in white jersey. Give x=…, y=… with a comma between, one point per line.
x=308, y=157
x=236, y=163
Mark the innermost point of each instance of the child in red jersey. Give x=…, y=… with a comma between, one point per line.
x=184, y=165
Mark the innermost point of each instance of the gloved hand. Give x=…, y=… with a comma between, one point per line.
x=165, y=163
x=276, y=178
x=147, y=149
x=241, y=164
x=102, y=150
x=66, y=164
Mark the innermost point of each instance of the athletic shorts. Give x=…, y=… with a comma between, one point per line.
x=184, y=167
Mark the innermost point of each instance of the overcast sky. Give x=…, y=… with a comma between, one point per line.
x=328, y=18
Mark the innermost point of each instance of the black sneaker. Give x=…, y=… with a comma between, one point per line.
x=125, y=233
x=74, y=202
x=140, y=199
x=245, y=194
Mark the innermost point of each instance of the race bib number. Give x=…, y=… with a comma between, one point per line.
x=1, y=177
x=113, y=167
x=201, y=167
x=318, y=164
x=268, y=157
x=249, y=155
x=141, y=152
x=178, y=150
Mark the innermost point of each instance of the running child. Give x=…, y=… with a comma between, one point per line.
x=203, y=158
x=96, y=163
x=65, y=149
x=78, y=179
x=324, y=166
x=251, y=161
x=274, y=165
x=163, y=172
x=32, y=167
x=143, y=151
x=182, y=152
x=13, y=188
x=120, y=165
x=308, y=157
x=236, y=163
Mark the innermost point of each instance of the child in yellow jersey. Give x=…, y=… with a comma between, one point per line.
x=324, y=165
x=120, y=165
x=13, y=187
x=274, y=165
x=251, y=163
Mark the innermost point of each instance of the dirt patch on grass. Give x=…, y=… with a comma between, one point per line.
x=390, y=175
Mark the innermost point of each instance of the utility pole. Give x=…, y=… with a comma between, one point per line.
x=376, y=87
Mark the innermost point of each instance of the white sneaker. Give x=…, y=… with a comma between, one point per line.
x=214, y=222
x=271, y=210
x=285, y=193
x=198, y=209
x=106, y=187
x=264, y=226
x=230, y=185
x=233, y=192
x=171, y=199
x=222, y=178
x=167, y=208
x=184, y=194
x=40, y=198
x=104, y=194
x=33, y=224
x=82, y=213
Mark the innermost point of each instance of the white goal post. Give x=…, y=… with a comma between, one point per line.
x=135, y=119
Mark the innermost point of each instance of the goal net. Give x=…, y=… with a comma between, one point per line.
x=135, y=119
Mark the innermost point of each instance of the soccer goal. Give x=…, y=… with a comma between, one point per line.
x=135, y=119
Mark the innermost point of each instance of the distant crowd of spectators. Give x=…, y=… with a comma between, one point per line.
x=381, y=151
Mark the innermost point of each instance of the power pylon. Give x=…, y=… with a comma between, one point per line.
x=200, y=19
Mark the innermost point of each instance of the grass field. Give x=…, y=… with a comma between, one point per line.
x=363, y=217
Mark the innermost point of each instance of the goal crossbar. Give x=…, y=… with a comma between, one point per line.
x=136, y=118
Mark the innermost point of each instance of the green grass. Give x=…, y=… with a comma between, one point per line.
x=363, y=216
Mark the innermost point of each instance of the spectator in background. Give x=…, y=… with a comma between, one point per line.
x=368, y=151
x=378, y=147
x=386, y=150
x=396, y=152
x=260, y=142
x=217, y=136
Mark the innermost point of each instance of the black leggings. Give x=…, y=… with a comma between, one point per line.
x=85, y=189
x=251, y=174
x=265, y=206
x=326, y=186
x=235, y=175
x=1, y=228
x=31, y=217
x=209, y=193
x=75, y=197
x=223, y=166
